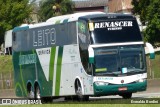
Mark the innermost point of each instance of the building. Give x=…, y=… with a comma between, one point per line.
x=123, y=6
x=120, y=6
x=91, y=5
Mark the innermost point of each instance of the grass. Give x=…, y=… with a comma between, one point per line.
x=99, y=103
x=154, y=66
x=89, y=105
x=6, y=71
x=6, y=64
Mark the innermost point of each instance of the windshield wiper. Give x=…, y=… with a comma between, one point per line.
x=134, y=71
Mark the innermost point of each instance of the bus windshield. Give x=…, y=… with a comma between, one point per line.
x=112, y=60
x=115, y=31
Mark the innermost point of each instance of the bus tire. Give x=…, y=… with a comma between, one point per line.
x=127, y=95
x=78, y=91
x=37, y=93
x=30, y=92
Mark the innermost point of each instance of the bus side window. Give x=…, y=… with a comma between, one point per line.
x=26, y=44
x=72, y=32
x=16, y=41
x=61, y=35
x=14, y=36
x=83, y=35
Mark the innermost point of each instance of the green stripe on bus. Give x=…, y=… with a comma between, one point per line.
x=51, y=66
x=58, y=73
x=65, y=20
x=21, y=74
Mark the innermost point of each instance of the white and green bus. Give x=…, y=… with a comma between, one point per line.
x=82, y=54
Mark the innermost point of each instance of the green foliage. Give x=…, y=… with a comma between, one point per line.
x=149, y=11
x=12, y=14
x=50, y=8
x=140, y=8
x=6, y=64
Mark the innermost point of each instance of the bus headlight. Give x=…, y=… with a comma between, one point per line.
x=101, y=83
x=141, y=80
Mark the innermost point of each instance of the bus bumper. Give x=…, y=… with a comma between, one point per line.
x=112, y=89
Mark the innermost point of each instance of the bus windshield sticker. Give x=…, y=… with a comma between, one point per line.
x=91, y=27
x=124, y=70
x=101, y=69
x=117, y=25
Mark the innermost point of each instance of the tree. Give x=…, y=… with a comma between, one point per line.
x=50, y=8
x=149, y=11
x=12, y=13
x=34, y=17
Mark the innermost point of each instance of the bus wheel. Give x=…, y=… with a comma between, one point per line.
x=37, y=93
x=127, y=95
x=78, y=90
x=30, y=92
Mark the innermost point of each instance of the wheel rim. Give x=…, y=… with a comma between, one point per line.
x=79, y=89
x=30, y=93
x=38, y=93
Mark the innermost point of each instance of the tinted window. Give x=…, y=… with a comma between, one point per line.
x=72, y=32
x=116, y=31
x=110, y=60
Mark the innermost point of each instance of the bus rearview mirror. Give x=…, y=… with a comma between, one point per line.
x=151, y=50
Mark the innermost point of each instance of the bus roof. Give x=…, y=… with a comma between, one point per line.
x=107, y=16
x=55, y=20
x=73, y=17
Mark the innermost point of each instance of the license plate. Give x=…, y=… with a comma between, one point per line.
x=122, y=89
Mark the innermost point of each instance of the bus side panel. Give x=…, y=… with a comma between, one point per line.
x=23, y=72
x=19, y=90
x=27, y=68
x=71, y=69
x=43, y=71
x=69, y=65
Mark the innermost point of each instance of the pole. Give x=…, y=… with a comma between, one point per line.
x=150, y=70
